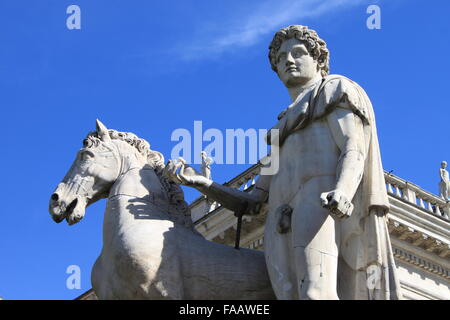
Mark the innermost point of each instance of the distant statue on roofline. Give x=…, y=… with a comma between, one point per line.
x=444, y=184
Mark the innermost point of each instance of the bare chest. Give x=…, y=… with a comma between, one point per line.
x=305, y=154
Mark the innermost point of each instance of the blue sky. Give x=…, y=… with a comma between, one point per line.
x=151, y=67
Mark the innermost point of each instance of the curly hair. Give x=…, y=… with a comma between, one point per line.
x=316, y=47
x=155, y=158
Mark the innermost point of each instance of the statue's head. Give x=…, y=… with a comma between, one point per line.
x=444, y=164
x=297, y=55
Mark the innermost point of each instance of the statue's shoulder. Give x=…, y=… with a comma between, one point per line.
x=334, y=87
x=337, y=90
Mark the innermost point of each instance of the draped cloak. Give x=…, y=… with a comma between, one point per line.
x=366, y=268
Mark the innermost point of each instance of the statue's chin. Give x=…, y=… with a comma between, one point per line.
x=296, y=80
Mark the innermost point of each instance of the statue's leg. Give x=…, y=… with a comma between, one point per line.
x=315, y=237
x=278, y=253
x=96, y=279
x=317, y=274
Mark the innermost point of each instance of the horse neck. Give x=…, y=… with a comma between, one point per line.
x=137, y=180
x=145, y=196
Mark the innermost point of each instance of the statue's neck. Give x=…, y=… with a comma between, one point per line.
x=294, y=92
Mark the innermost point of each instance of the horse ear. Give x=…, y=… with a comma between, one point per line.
x=102, y=131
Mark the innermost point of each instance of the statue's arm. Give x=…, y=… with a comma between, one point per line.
x=348, y=132
x=235, y=200
x=231, y=198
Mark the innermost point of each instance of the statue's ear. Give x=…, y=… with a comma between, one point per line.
x=102, y=131
x=321, y=62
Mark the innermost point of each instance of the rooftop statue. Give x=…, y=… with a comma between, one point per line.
x=444, y=184
x=326, y=233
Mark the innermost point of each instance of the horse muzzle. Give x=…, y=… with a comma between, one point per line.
x=62, y=207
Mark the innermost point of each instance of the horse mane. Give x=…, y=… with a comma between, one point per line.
x=179, y=211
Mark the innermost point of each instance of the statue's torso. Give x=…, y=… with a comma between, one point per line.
x=305, y=154
x=444, y=175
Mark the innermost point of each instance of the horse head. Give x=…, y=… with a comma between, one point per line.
x=105, y=155
x=94, y=170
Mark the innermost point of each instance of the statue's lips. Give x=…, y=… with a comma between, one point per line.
x=291, y=69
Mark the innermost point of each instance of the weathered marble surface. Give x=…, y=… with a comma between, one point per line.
x=327, y=203
x=150, y=248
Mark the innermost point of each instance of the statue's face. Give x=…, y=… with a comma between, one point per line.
x=444, y=165
x=295, y=65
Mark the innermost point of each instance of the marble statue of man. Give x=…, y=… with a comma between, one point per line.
x=444, y=184
x=326, y=233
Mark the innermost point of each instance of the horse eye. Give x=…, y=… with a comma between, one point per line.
x=86, y=143
x=87, y=155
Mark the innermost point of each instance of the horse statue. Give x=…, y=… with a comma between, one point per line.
x=150, y=247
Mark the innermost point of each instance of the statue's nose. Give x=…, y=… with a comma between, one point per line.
x=289, y=59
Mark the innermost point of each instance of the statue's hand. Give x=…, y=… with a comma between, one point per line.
x=337, y=203
x=180, y=172
x=284, y=213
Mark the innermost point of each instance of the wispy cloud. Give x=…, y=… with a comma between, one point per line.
x=244, y=31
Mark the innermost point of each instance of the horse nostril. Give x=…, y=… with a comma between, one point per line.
x=55, y=197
